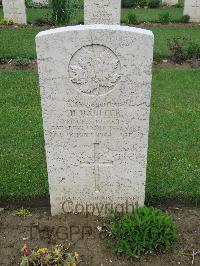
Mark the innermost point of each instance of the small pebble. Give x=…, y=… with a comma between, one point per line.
x=99, y=228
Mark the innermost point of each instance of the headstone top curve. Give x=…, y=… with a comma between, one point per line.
x=95, y=27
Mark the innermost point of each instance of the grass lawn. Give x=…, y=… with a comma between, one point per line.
x=22, y=163
x=21, y=42
x=173, y=161
x=152, y=15
x=143, y=14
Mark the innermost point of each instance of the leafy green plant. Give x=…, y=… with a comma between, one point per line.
x=63, y=10
x=129, y=3
x=182, y=49
x=22, y=212
x=164, y=18
x=44, y=257
x=29, y=3
x=157, y=58
x=180, y=4
x=132, y=18
x=193, y=50
x=22, y=61
x=80, y=4
x=185, y=19
x=177, y=49
x=154, y=3
x=145, y=231
x=3, y=60
x=5, y=21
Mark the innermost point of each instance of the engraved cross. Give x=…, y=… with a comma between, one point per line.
x=96, y=164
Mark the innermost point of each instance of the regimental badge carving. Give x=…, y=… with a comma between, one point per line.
x=94, y=70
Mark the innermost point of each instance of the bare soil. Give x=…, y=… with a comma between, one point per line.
x=12, y=66
x=42, y=230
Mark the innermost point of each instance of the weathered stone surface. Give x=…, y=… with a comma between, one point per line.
x=15, y=10
x=95, y=83
x=192, y=8
x=170, y=2
x=102, y=12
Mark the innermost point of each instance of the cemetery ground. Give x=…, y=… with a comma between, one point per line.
x=172, y=183
x=14, y=49
x=173, y=158
x=150, y=15
x=174, y=131
x=142, y=14
x=85, y=237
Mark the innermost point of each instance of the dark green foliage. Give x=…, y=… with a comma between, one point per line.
x=193, y=50
x=157, y=58
x=182, y=49
x=128, y=3
x=185, y=19
x=80, y=4
x=42, y=21
x=29, y=3
x=178, y=53
x=132, y=18
x=3, y=60
x=154, y=3
x=164, y=18
x=141, y=3
x=39, y=21
x=21, y=61
x=180, y=4
x=62, y=10
x=145, y=231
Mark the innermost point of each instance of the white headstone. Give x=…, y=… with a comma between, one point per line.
x=170, y=2
x=192, y=8
x=102, y=12
x=15, y=10
x=95, y=83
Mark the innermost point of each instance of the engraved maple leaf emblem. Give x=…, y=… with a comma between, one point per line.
x=95, y=69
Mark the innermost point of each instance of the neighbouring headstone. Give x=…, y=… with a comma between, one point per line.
x=102, y=12
x=192, y=8
x=95, y=83
x=15, y=10
x=170, y=2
